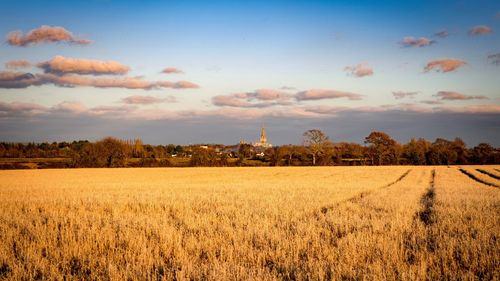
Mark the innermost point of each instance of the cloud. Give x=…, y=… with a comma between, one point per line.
x=431, y=102
x=17, y=80
x=359, y=70
x=169, y=70
x=448, y=95
x=268, y=94
x=44, y=34
x=444, y=65
x=400, y=94
x=288, y=88
x=494, y=59
x=60, y=65
x=317, y=94
x=147, y=100
x=442, y=34
x=416, y=42
x=480, y=29
x=70, y=107
x=17, y=109
x=266, y=98
x=177, y=85
x=234, y=101
x=9, y=80
x=15, y=64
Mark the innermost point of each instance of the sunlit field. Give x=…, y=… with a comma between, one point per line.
x=315, y=223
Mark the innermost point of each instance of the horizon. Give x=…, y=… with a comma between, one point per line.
x=198, y=72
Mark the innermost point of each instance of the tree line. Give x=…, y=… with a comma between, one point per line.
x=317, y=149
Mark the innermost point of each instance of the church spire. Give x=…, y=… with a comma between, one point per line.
x=263, y=138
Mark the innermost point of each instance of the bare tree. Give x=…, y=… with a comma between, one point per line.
x=316, y=142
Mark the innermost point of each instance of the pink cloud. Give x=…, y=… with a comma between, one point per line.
x=431, y=102
x=269, y=97
x=44, y=34
x=70, y=107
x=16, y=80
x=444, y=65
x=16, y=109
x=235, y=101
x=178, y=85
x=169, y=70
x=268, y=94
x=147, y=100
x=61, y=65
x=448, y=95
x=416, y=42
x=24, y=80
x=317, y=94
x=480, y=29
x=401, y=95
x=15, y=64
x=359, y=70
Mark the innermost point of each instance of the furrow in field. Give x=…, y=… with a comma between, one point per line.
x=488, y=174
x=477, y=178
x=363, y=194
x=462, y=241
x=366, y=233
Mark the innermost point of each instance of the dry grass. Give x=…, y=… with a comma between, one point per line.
x=328, y=223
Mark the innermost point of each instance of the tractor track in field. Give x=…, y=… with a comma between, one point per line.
x=474, y=177
x=488, y=174
x=361, y=195
x=426, y=216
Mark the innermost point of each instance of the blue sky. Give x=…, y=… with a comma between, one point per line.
x=250, y=60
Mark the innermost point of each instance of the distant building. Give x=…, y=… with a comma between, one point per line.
x=263, y=140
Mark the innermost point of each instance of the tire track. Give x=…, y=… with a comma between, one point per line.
x=427, y=215
x=360, y=196
x=488, y=174
x=472, y=176
x=415, y=242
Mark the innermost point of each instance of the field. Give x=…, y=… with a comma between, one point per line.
x=315, y=223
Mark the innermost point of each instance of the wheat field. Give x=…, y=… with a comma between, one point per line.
x=279, y=223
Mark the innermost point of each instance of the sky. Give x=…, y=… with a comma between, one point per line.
x=215, y=71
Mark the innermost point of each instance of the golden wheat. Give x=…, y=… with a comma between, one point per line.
x=327, y=223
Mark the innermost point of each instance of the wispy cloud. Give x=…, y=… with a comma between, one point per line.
x=448, y=95
x=133, y=112
x=444, y=65
x=259, y=98
x=359, y=70
x=16, y=109
x=318, y=94
x=147, y=99
x=480, y=29
x=61, y=65
x=416, y=42
x=44, y=34
x=494, y=59
x=16, y=64
x=70, y=107
x=170, y=70
x=431, y=102
x=24, y=80
x=176, y=85
x=400, y=94
x=442, y=34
